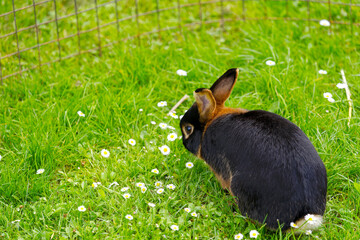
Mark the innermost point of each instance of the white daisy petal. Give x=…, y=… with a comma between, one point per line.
x=124, y=189
x=323, y=72
x=341, y=85
x=172, y=137
x=324, y=23
x=105, y=153
x=160, y=191
x=140, y=184
x=129, y=217
x=165, y=150
x=171, y=186
x=126, y=195
x=239, y=236
x=158, y=184
x=270, y=63
x=254, y=234
x=132, y=142
x=40, y=171
x=181, y=72
x=155, y=170
x=82, y=209
x=162, y=104
x=331, y=100
x=81, y=114
x=174, y=227
x=189, y=165
x=293, y=225
x=327, y=95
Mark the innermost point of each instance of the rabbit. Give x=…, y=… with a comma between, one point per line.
x=265, y=161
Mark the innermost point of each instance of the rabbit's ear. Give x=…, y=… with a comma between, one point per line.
x=206, y=104
x=222, y=88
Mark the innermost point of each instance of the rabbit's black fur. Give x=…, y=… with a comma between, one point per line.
x=263, y=159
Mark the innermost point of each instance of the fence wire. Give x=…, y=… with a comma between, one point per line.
x=43, y=32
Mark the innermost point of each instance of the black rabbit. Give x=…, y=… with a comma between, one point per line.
x=263, y=159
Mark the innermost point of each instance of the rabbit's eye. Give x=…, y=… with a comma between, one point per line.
x=188, y=129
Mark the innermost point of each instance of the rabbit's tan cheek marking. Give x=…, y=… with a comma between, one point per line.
x=225, y=184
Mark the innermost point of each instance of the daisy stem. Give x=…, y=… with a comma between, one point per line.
x=348, y=94
x=178, y=103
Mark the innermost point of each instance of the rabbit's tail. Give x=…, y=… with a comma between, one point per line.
x=307, y=224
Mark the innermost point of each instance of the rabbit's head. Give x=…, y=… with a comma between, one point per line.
x=209, y=103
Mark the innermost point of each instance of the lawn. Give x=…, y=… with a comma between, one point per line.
x=40, y=128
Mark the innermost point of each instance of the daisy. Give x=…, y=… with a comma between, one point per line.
x=293, y=225
x=140, y=110
x=324, y=23
x=158, y=184
x=15, y=221
x=40, y=171
x=339, y=85
x=187, y=210
x=189, y=164
x=171, y=186
x=170, y=127
x=129, y=217
x=181, y=116
x=165, y=150
x=114, y=183
x=126, y=195
x=322, y=72
x=132, y=142
x=254, y=234
x=81, y=114
x=310, y=218
x=331, y=100
x=143, y=189
x=151, y=204
x=181, y=72
x=124, y=189
x=174, y=227
x=0, y=157
x=173, y=115
x=270, y=63
x=160, y=191
x=140, y=184
x=94, y=185
x=153, y=122
x=162, y=104
x=172, y=137
x=82, y=209
x=239, y=236
x=163, y=125
x=308, y=232
x=105, y=153
x=155, y=171
x=194, y=214
x=327, y=95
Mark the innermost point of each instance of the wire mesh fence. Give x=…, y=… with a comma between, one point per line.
x=38, y=33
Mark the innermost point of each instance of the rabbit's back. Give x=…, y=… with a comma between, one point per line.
x=270, y=164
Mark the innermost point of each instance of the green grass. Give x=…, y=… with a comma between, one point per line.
x=40, y=128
